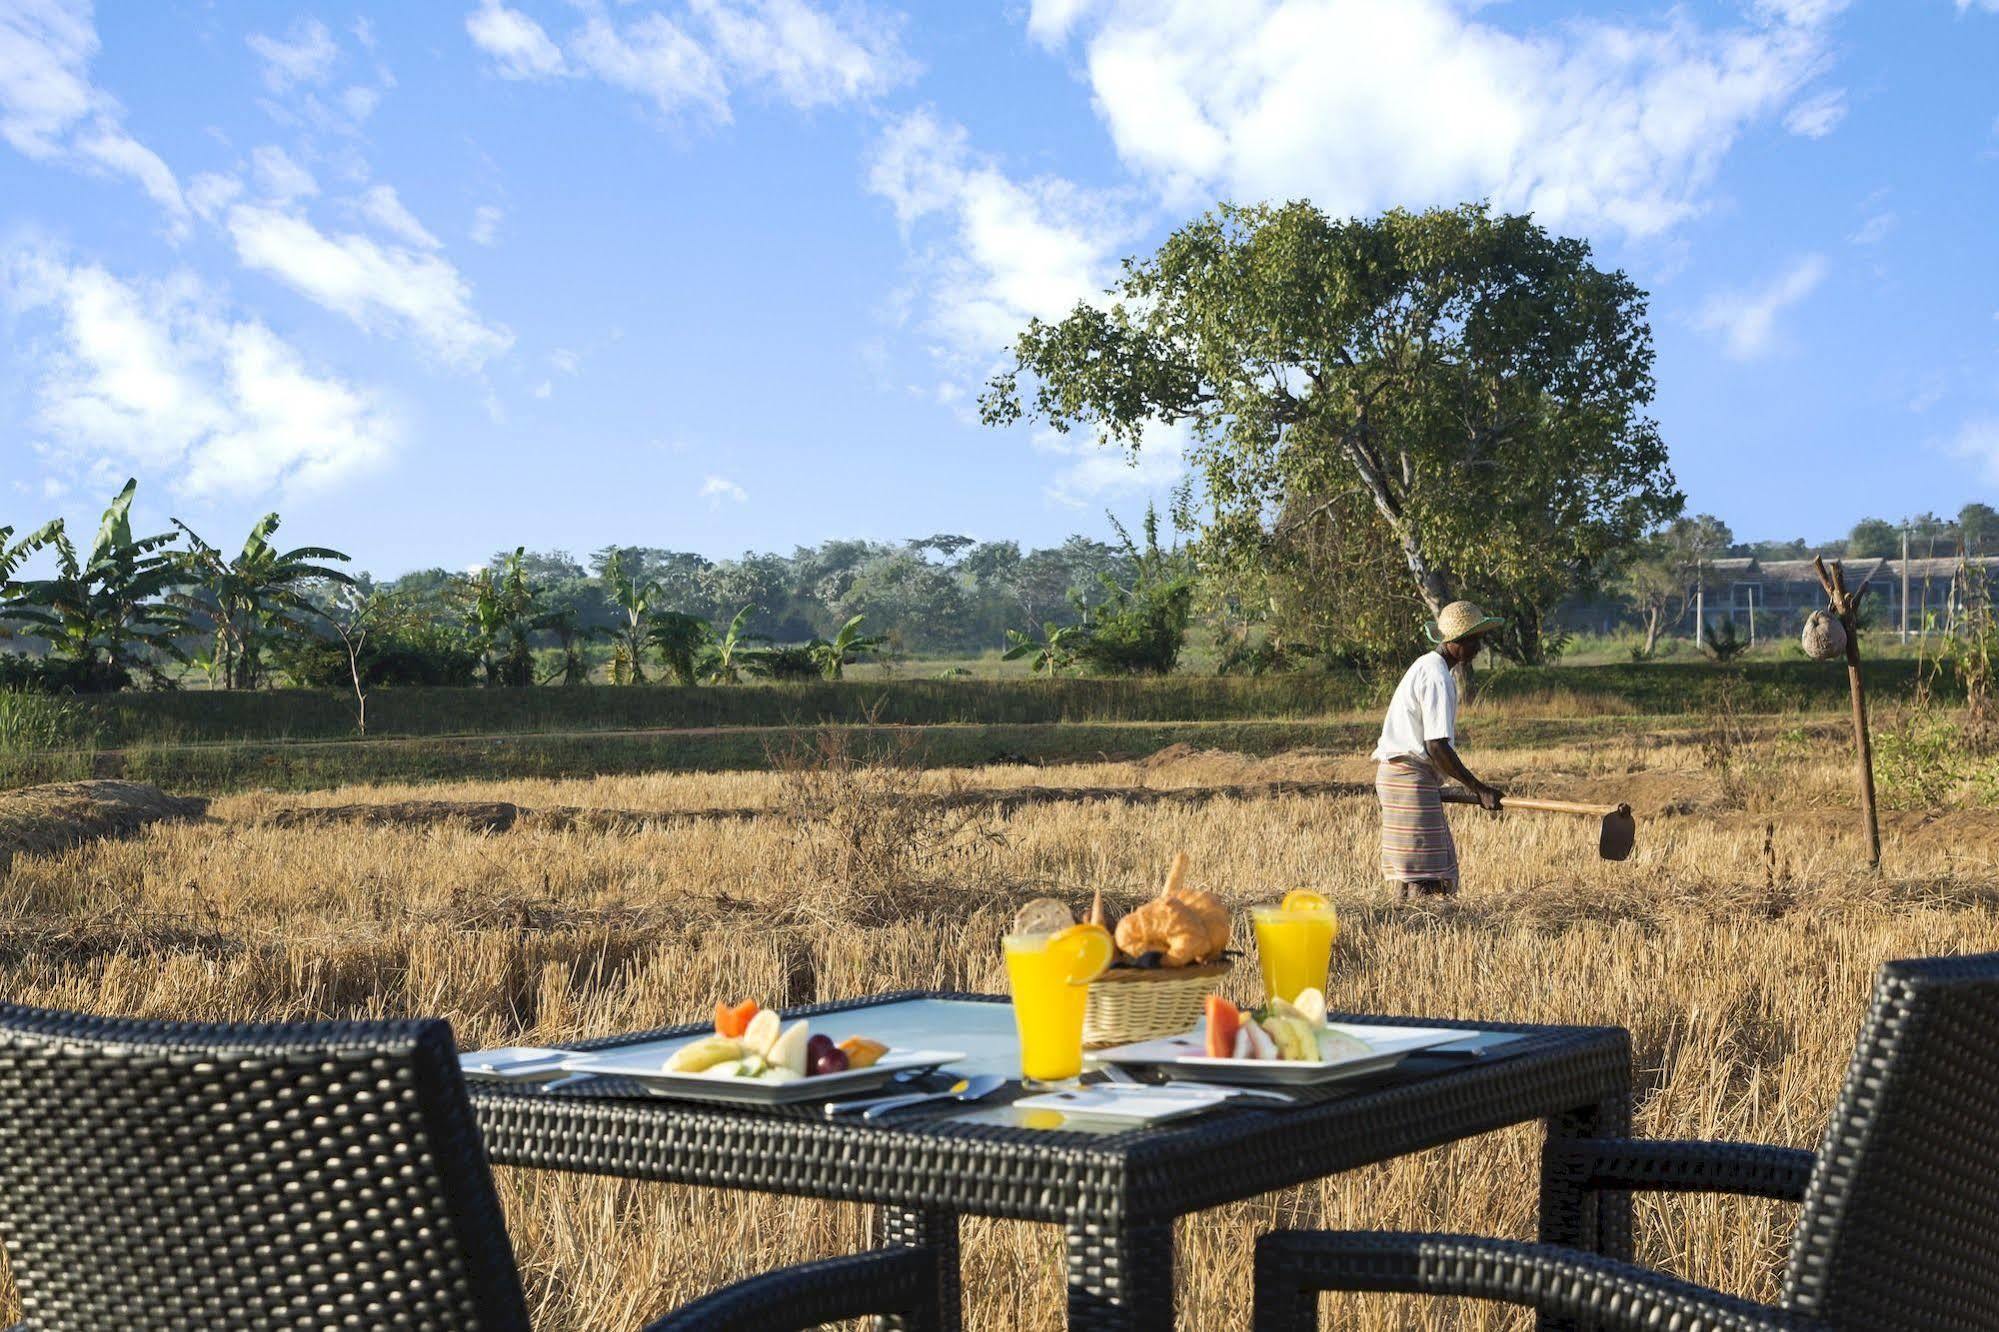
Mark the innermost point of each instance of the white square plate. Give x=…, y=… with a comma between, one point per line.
x=1185, y=1056
x=645, y=1064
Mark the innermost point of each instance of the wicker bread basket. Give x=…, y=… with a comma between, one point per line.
x=1129, y=1004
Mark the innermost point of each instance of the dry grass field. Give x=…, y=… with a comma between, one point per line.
x=1737, y=945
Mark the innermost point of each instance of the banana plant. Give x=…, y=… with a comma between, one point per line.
x=680, y=638
x=13, y=554
x=254, y=599
x=736, y=653
x=566, y=626
x=105, y=610
x=502, y=617
x=1053, y=653
x=847, y=645
x=634, y=596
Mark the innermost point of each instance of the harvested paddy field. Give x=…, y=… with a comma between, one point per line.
x=1738, y=945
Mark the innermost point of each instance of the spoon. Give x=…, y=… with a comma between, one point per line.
x=964, y=1089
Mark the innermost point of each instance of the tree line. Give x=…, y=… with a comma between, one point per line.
x=152, y=609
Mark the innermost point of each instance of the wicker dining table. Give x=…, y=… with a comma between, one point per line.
x=1115, y=1191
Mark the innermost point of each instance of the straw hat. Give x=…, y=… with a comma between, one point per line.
x=1459, y=620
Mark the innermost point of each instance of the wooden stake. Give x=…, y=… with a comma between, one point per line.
x=1847, y=607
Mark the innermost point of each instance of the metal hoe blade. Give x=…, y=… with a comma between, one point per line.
x=1618, y=835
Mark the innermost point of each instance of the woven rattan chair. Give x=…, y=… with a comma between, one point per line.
x=176, y=1175
x=1900, y=1227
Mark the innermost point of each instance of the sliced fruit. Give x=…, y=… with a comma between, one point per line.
x=1311, y=1005
x=788, y=1050
x=1243, y=1049
x=1339, y=1045
x=762, y=1032
x=1304, y=899
x=1224, y=1018
x=1261, y=1046
x=862, y=1052
x=754, y=1065
x=728, y=1068
x=1084, y=951
x=703, y=1054
x=1289, y=1034
x=782, y=1075
x=1044, y=915
x=732, y=1020
x=1282, y=1008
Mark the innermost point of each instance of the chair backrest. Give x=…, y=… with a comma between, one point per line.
x=1901, y=1223
x=325, y=1175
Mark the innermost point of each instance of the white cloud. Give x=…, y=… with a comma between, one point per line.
x=519, y=46
x=808, y=57
x=689, y=65
x=305, y=55
x=384, y=207
x=565, y=360
x=1101, y=471
x=544, y=389
x=486, y=221
x=381, y=288
x=1818, y=115
x=360, y=101
x=156, y=377
x=280, y=177
x=1364, y=104
x=1009, y=249
x=1747, y=320
x=715, y=489
x=210, y=192
x=1988, y=6
x=1978, y=440
x=50, y=111
x=1875, y=229
x=654, y=58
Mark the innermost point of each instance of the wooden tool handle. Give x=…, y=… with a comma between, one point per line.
x=1457, y=795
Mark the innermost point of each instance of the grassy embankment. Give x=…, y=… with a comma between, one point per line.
x=296, y=739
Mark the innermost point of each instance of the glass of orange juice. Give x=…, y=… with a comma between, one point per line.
x=1294, y=943
x=1048, y=971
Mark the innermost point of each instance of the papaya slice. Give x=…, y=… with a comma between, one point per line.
x=732, y=1020
x=1224, y=1020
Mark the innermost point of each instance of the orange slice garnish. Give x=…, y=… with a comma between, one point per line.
x=1304, y=899
x=1084, y=952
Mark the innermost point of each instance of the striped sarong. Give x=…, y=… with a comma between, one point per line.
x=1415, y=841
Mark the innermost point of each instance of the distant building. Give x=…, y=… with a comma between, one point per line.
x=1783, y=592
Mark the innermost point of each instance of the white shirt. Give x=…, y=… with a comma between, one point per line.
x=1424, y=708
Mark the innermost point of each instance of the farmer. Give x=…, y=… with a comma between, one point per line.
x=1417, y=854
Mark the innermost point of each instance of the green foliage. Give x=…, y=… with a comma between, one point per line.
x=505, y=612
x=1873, y=538
x=1477, y=380
x=847, y=645
x=413, y=649
x=1977, y=527
x=791, y=663
x=735, y=654
x=252, y=601
x=1052, y=654
x=105, y=610
x=1140, y=628
x=31, y=721
x=680, y=640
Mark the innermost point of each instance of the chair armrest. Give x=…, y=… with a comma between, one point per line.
x=1292, y=1267
x=890, y=1282
x=1640, y=1164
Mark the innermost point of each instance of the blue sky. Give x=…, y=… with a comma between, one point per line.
x=720, y=274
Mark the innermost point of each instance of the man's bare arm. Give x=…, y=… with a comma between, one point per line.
x=1445, y=759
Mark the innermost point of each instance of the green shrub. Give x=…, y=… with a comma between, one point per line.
x=31, y=721
x=420, y=653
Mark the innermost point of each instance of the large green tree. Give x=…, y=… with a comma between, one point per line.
x=1481, y=382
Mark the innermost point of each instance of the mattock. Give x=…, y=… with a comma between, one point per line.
x=1615, y=835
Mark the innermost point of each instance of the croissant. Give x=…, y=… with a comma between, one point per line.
x=1214, y=916
x=1167, y=926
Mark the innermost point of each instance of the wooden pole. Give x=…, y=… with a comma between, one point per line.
x=1847, y=607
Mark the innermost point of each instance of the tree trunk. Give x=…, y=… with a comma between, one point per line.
x=1652, y=617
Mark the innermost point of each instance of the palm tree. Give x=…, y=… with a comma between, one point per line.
x=846, y=646
x=567, y=627
x=104, y=612
x=734, y=656
x=254, y=599
x=1053, y=653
